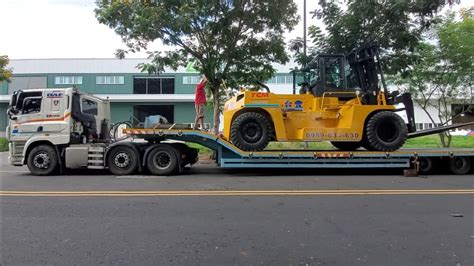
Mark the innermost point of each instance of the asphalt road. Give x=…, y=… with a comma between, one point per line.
x=214, y=217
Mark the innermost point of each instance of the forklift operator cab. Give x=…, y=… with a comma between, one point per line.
x=327, y=73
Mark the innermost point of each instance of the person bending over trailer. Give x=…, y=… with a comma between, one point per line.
x=200, y=102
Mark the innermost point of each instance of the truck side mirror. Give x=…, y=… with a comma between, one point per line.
x=11, y=114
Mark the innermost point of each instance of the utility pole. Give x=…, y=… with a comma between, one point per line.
x=304, y=33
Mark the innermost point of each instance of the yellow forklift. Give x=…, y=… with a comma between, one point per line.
x=343, y=99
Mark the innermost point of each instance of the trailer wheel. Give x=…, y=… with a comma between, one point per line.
x=43, y=160
x=386, y=131
x=460, y=165
x=251, y=131
x=346, y=145
x=188, y=155
x=427, y=165
x=162, y=160
x=122, y=160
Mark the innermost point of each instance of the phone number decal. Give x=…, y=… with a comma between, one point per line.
x=317, y=135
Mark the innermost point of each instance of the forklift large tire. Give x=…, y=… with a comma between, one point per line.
x=460, y=165
x=251, y=131
x=346, y=145
x=385, y=131
x=43, y=160
x=163, y=160
x=122, y=160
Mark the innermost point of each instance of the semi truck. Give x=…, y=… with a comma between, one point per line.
x=52, y=130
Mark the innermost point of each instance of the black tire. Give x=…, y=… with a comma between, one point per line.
x=43, y=160
x=385, y=131
x=190, y=154
x=427, y=165
x=346, y=145
x=162, y=160
x=460, y=165
x=251, y=131
x=122, y=160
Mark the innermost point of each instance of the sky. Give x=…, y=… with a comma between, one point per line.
x=69, y=29
x=66, y=29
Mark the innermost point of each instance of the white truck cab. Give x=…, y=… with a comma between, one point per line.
x=43, y=120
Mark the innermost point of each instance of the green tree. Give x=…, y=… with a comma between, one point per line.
x=396, y=26
x=232, y=40
x=442, y=73
x=5, y=73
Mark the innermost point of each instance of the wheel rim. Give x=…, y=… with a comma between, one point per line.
x=42, y=160
x=251, y=132
x=387, y=131
x=458, y=163
x=162, y=160
x=122, y=159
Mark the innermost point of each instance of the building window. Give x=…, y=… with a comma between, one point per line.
x=419, y=126
x=153, y=85
x=281, y=80
x=61, y=80
x=187, y=80
x=109, y=80
x=428, y=125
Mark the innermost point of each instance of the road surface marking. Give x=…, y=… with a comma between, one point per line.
x=234, y=193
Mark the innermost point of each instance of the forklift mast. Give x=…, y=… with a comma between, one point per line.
x=367, y=69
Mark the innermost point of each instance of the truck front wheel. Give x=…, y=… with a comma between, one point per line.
x=251, y=131
x=122, y=160
x=43, y=160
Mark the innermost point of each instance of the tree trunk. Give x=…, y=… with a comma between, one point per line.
x=216, y=107
x=442, y=139
x=445, y=138
x=449, y=137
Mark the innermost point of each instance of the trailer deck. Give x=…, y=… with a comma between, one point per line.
x=229, y=156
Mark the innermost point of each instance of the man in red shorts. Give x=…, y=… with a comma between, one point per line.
x=200, y=102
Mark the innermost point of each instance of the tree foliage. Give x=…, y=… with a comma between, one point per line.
x=5, y=73
x=232, y=40
x=441, y=74
x=396, y=26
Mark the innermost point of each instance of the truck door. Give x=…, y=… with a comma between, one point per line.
x=27, y=119
x=55, y=112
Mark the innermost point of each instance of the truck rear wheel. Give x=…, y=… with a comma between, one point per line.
x=43, y=160
x=346, y=145
x=460, y=165
x=385, y=131
x=162, y=160
x=251, y=131
x=122, y=160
